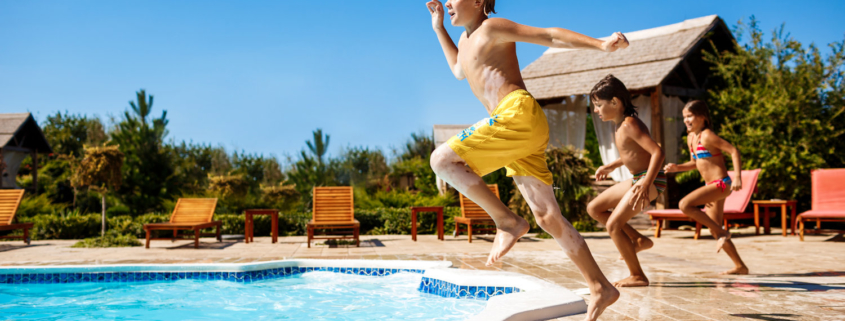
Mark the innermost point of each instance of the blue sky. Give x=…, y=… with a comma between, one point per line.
x=259, y=76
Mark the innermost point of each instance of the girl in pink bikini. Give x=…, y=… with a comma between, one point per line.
x=706, y=150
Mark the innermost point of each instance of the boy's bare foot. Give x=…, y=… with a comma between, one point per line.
x=641, y=244
x=506, y=238
x=720, y=242
x=599, y=300
x=742, y=270
x=632, y=281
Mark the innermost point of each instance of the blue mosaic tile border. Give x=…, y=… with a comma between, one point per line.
x=240, y=277
x=451, y=290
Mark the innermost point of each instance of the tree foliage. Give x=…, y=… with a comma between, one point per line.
x=149, y=165
x=781, y=104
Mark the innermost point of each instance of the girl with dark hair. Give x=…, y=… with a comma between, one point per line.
x=706, y=151
x=643, y=157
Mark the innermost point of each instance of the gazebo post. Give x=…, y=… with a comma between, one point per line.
x=34, y=171
x=657, y=132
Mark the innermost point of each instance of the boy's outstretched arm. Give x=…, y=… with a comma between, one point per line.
x=510, y=31
x=604, y=171
x=449, y=48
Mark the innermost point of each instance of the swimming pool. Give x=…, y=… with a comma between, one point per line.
x=292, y=289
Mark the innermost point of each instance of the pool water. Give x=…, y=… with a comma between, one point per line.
x=309, y=296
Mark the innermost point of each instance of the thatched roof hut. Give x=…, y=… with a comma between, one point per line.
x=663, y=68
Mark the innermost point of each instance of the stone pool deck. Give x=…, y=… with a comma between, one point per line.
x=790, y=280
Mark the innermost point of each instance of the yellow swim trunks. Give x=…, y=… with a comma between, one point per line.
x=515, y=136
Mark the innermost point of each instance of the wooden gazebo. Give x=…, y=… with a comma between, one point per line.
x=663, y=68
x=20, y=137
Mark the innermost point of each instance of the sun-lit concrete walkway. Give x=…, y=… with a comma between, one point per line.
x=790, y=280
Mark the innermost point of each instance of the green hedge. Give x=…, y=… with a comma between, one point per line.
x=377, y=221
x=373, y=221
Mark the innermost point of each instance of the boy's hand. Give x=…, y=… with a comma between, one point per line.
x=737, y=185
x=616, y=41
x=639, y=197
x=436, y=10
x=602, y=172
x=670, y=168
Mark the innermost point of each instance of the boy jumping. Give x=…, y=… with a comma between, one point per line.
x=515, y=135
x=643, y=157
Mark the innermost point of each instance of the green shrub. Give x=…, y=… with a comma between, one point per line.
x=111, y=239
x=36, y=205
x=48, y=227
x=399, y=199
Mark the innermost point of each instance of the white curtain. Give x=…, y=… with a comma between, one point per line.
x=567, y=122
x=13, y=161
x=605, y=133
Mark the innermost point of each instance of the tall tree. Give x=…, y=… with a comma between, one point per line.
x=311, y=169
x=149, y=167
x=782, y=105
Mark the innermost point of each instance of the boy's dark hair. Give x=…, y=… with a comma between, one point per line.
x=699, y=108
x=610, y=87
x=489, y=7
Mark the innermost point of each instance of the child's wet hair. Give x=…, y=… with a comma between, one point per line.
x=699, y=108
x=610, y=87
x=489, y=7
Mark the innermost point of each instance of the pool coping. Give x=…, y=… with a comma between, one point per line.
x=510, y=296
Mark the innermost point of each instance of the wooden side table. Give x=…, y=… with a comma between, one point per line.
x=249, y=230
x=783, y=204
x=435, y=209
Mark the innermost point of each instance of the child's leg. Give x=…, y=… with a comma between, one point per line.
x=716, y=213
x=599, y=209
x=452, y=169
x=703, y=195
x=623, y=212
x=541, y=199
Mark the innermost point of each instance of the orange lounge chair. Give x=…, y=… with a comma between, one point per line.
x=828, y=203
x=471, y=214
x=10, y=200
x=333, y=210
x=735, y=206
x=189, y=214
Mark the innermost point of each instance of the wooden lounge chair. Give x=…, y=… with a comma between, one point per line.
x=189, y=214
x=828, y=202
x=333, y=213
x=471, y=214
x=10, y=200
x=735, y=206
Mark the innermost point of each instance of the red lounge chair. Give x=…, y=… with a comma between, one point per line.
x=735, y=206
x=828, y=204
x=10, y=200
x=471, y=214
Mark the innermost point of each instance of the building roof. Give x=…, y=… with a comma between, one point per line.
x=651, y=57
x=21, y=131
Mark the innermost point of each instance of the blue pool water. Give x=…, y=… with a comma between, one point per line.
x=309, y=296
